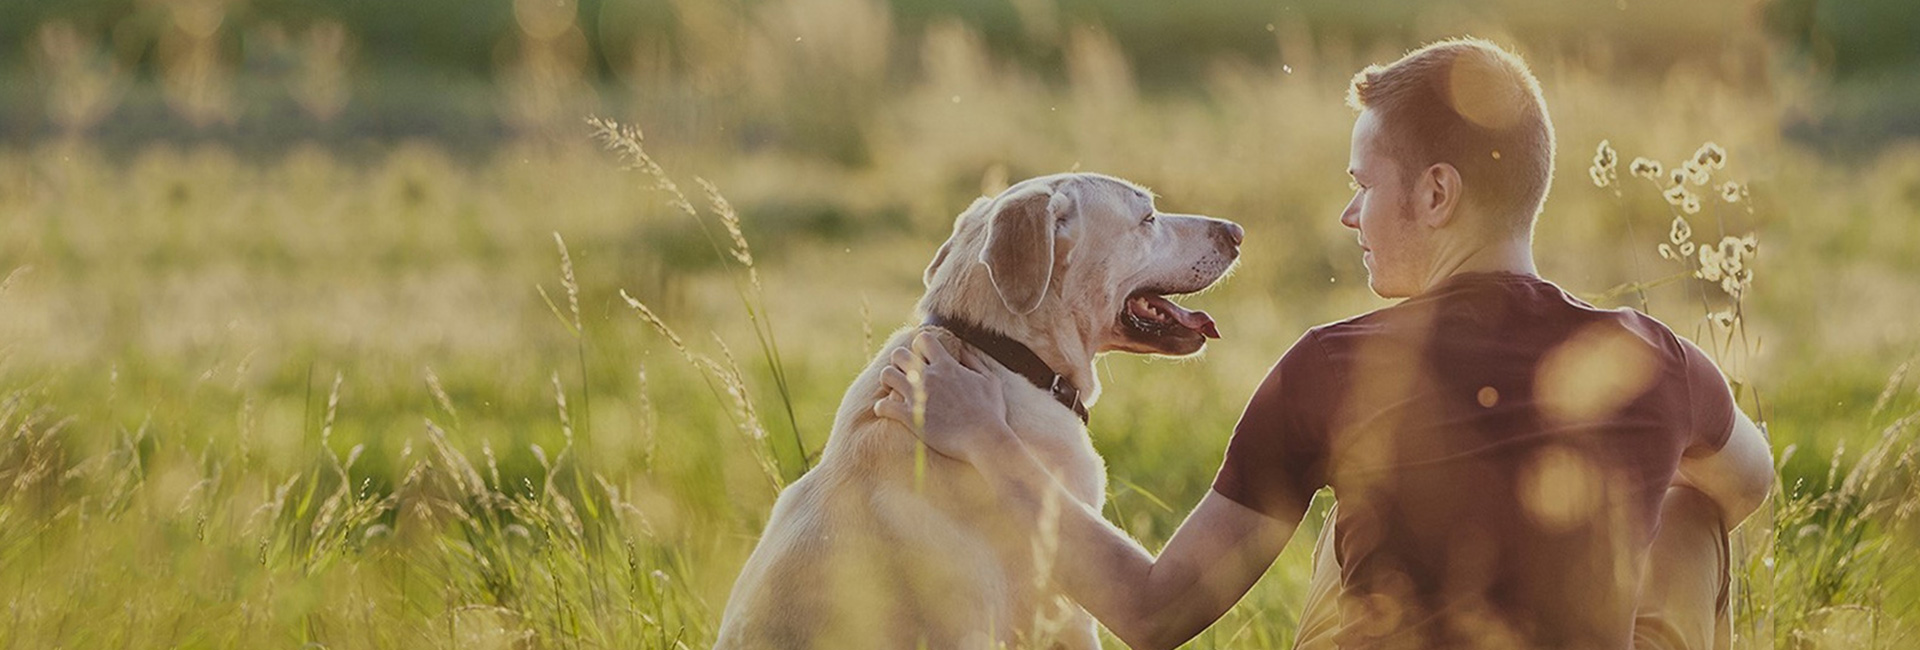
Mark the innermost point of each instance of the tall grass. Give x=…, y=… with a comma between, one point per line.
x=629, y=143
x=321, y=397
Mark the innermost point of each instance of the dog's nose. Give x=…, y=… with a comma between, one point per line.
x=1235, y=233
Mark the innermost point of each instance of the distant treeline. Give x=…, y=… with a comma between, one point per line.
x=414, y=64
x=1166, y=39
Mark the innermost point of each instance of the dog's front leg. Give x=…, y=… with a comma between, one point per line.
x=1078, y=631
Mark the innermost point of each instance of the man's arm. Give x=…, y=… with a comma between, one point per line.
x=1213, y=559
x=1738, y=477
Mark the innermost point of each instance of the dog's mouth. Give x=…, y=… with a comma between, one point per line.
x=1150, y=323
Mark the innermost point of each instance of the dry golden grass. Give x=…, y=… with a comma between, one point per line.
x=314, y=398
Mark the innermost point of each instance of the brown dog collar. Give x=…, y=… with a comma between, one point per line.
x=1016, y=357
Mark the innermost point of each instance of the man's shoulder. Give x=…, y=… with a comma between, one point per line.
x=1655, y=333
x=1351, y=331
x=1356, y=324
x=1413, y=318
x=1343, y=331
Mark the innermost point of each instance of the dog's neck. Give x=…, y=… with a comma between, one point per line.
x=1067, y=349
x=1018, y=357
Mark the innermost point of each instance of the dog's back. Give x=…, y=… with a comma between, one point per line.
x=865, y=551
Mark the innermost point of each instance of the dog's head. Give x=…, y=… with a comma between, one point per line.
x=1083, y=263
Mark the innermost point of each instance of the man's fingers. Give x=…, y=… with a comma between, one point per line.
x=932, y=349
x=905, y=359
x=896, y=380
x=894, y=407
x=971, y=359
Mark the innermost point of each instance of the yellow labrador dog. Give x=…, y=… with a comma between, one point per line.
x=886, y=546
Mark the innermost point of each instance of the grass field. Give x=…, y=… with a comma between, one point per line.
x=393, y=396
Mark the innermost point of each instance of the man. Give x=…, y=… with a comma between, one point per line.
x=1508, y=461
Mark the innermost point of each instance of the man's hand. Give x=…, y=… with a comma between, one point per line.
x=969, y=416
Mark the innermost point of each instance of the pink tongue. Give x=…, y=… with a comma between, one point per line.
x=1197, y=321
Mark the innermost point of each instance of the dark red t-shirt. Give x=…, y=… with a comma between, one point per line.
x=1499, y=451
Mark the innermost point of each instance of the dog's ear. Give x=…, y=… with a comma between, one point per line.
x=1019, y=251
x=959, y=222
x=926, y=277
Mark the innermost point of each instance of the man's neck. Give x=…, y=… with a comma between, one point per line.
x=1504, y=255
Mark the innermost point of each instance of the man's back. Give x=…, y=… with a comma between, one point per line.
x=1499, y=451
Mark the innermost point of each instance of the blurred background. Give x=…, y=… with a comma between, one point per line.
x=264, y=75
x=249, y=246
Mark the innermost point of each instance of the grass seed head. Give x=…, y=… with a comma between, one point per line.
x=654, y=320
x=439, y=395
x=566, y=280
x=730, y=219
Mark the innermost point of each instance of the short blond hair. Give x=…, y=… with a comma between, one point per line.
x=1472, y=104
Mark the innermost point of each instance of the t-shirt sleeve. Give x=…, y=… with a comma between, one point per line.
x=1710, y=401
x=1277, y=457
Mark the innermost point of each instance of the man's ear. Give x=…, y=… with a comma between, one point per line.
x=1019, y=251
x=959, y=222
x=1438, y=195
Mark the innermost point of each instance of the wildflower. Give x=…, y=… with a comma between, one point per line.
x=1676, y=195
x=1723, y=319
x=1711, y=156
x=1734, y=252
x=1678, y=176
x=1605, y=165
x=1729, y=245
x=1600, y=178
x=1749, y=245
x=1681, y=231
x=1644, y=168
x=1731, y=192
x=1696, y=172
x=1691, y=205
x=1710, y=256
x=1668, y=252
x=1736, y=284
x=1710, y=269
